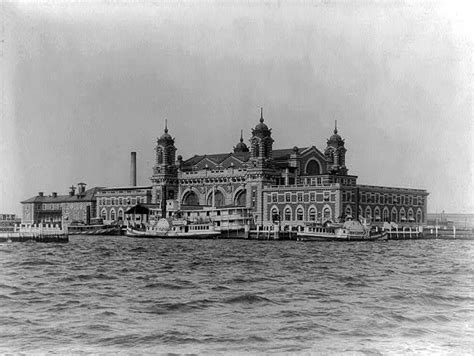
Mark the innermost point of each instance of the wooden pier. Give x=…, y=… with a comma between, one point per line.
x=36, y=233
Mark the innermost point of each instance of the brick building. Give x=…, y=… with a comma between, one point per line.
x=54, y=208
x=292, y=185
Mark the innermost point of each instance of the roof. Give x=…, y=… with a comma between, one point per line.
x=216, y=158
x=138, y=209
x=128, y=188
x=89, y=195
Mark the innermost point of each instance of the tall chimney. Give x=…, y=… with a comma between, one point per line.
x=133, y=169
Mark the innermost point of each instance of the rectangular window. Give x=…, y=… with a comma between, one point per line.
x=274, y=197
x=300, y=197
x=326, y=196
x=287, y=197
x=312, y=196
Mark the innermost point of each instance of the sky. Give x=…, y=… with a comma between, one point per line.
x=85, y=83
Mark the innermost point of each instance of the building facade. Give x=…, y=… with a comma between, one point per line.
x=75, y=207
x=293, y=186
x=112, y=203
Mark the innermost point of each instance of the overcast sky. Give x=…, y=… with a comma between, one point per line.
x=83, y=84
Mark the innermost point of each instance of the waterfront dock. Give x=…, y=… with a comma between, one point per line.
x=36, y=233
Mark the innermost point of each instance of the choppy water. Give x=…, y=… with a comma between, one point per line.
x=109, y=294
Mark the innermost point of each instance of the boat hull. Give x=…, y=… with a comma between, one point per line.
x=173, y=234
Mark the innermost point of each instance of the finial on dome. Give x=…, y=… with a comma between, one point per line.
x=166, y=125
x=261, y=114
x=335, y=127
x=241, y=136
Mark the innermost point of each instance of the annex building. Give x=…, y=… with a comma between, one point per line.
x=294, y=186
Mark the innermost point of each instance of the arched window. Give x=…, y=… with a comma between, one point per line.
x=386, y=214
x=419, y=216
x=257, y=150
x=299, y=214
x=348, y=211
x=159, y=155
x=394, y=215
x=327, y=213
x=312, y=168
x=219, y=199
x=103, y=214
x=377, y=213
x=120, y=214
x=411, y=218
x=312, y=214
x=241, y=198
x=112, y=214
x=190, y=198
x=368, y=213
x=288, y=214
x=402, y=215
x=275, y=214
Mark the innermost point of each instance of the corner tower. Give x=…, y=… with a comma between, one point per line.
x=260, y=170
x=165, y=172
x=261, y=145
x=335, y=153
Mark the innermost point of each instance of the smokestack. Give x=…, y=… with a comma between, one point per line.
x=133, y=169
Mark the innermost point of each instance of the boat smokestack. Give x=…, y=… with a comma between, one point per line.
x=133, y=169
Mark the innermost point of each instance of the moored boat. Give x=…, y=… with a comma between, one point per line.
x=174, y=228
x=349, y=231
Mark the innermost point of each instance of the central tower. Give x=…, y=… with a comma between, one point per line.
x=165, y=172
x=261, y=167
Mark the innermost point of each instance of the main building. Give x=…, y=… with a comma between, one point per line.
x=293, y=185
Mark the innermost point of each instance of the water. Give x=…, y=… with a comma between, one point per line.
x=118, y=294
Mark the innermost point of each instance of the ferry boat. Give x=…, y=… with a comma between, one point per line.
x=349, y=231
x=171, y=228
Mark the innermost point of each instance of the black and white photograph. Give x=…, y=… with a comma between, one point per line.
x=236, y=177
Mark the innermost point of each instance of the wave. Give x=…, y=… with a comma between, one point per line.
x=248, y=299
x=165, y=285
x=180, y=307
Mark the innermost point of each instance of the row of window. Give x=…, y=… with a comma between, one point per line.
x=378, y=198
x=113, y=215
x=301, y=197
x=326, y=213
x=121, y=201
x=300, y=215
x=385, y=214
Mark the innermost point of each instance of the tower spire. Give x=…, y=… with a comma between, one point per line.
x=261, y=114
x=241, y=136
x=335, y=126
x=166, y=125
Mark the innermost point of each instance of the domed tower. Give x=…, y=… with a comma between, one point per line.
x=335, y=153
x=261, y=144
x=241, y=146
x=165, y=172
x=260, y=170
